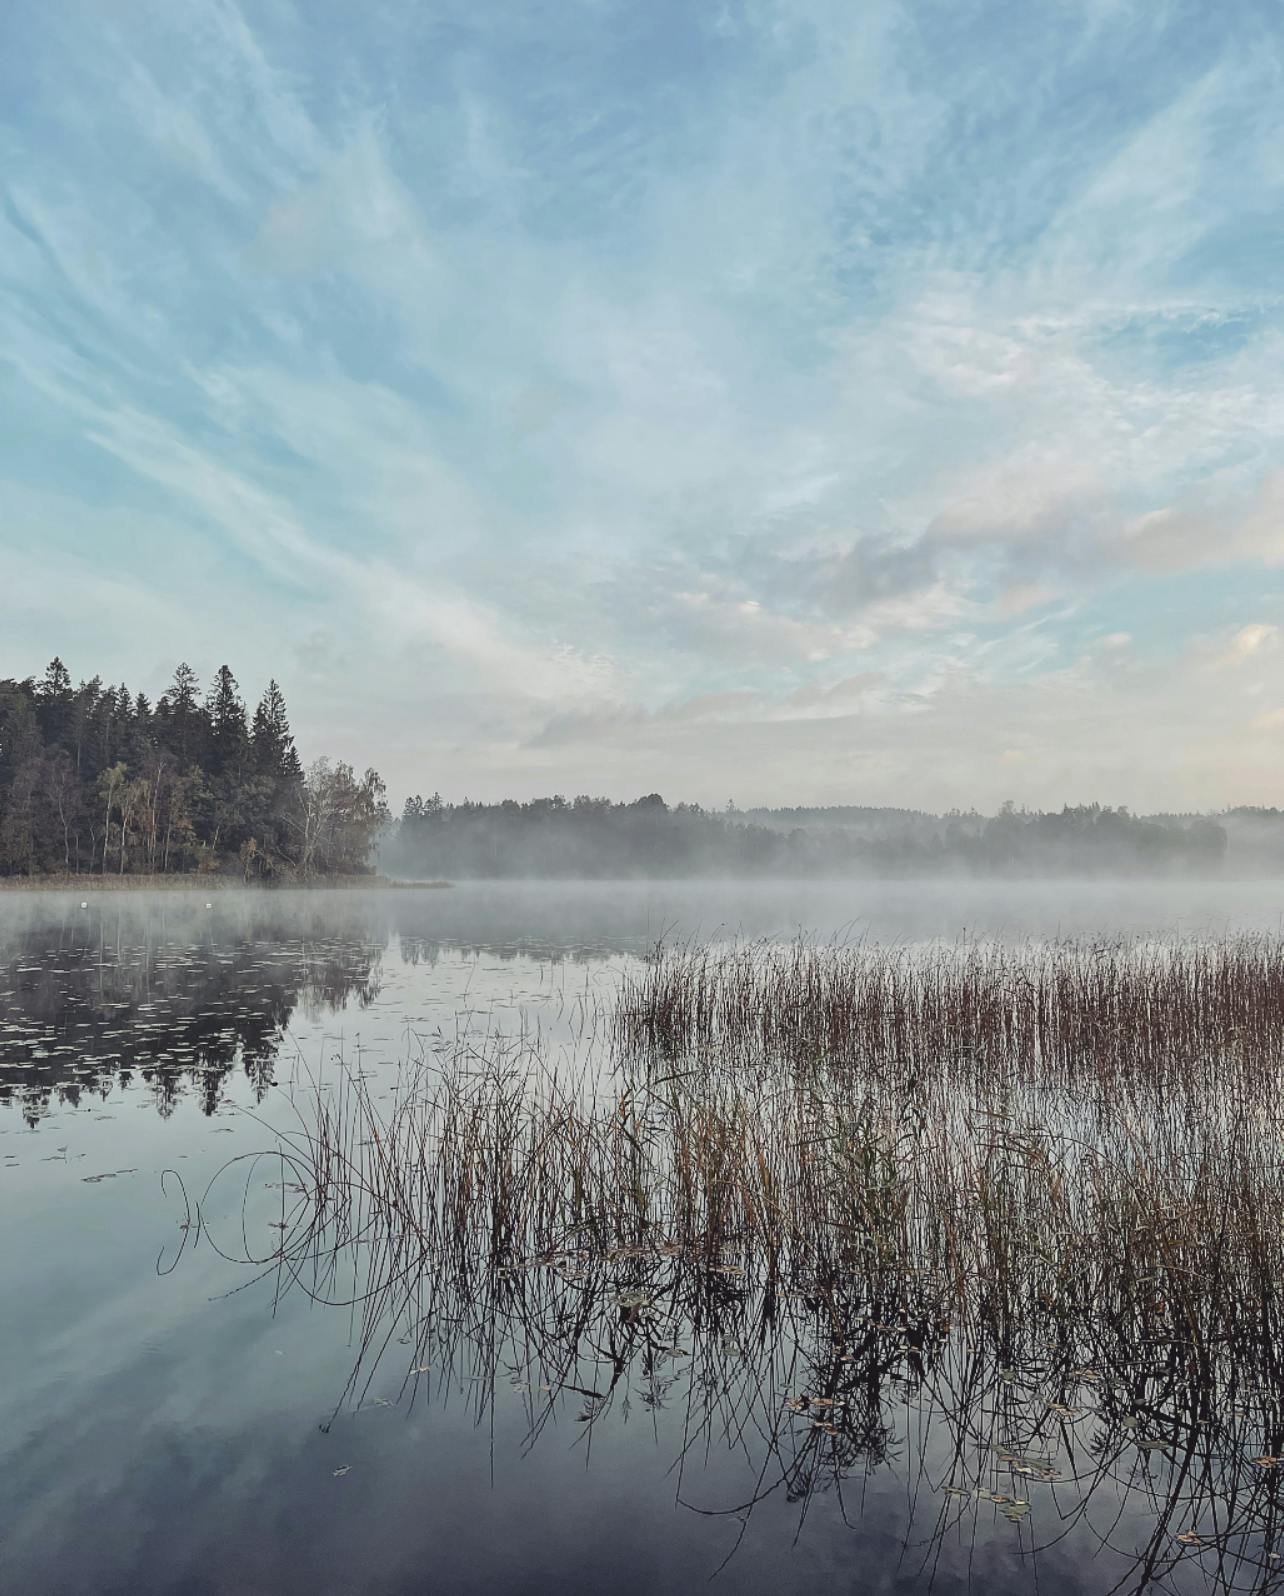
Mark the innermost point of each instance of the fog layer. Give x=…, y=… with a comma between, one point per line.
x=595, y=838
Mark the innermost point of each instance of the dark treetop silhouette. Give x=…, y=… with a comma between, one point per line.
x=95, y=779
x=594, y=837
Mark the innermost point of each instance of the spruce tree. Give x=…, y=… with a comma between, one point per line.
x=274, y=751
x=53, y=701
x=184, y=724
x=229, y=736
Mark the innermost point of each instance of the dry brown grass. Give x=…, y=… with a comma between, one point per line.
x=1041, y=1188
x=1071, y=1009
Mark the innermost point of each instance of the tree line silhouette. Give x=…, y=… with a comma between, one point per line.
x=95, y=779
x=596, y=837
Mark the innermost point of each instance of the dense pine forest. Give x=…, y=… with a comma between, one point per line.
x=97, y=780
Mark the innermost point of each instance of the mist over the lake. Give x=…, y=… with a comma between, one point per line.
x=594, y=839
x=641, y=798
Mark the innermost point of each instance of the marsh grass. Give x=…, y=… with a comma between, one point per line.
x=1145, y=1010
x=1036, y=1192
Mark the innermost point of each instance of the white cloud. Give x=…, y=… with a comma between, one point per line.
x=832, y=405
x=1208, y=533
x=1249, y=644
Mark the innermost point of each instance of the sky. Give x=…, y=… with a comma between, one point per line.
x=787, y=401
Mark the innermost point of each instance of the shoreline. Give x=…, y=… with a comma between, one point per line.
x=197, y=883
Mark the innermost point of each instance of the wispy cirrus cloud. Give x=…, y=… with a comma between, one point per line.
x=781, y=398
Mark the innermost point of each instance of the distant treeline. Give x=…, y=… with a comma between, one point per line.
x=595, y=837
x=95, y=779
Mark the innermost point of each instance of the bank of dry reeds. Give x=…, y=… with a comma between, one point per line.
x=1141, y=1010
x=1041, y=1187
x=1089, y=1133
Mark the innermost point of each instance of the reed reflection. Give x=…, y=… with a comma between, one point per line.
x=1035, y=1286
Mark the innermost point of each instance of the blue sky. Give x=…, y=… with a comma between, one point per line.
x=790, y=401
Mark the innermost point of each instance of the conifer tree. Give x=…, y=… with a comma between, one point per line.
x=274, y=751
x=96, y=778
x=229, y=736
x=182, y=720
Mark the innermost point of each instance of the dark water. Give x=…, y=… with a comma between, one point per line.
x=174, y=1418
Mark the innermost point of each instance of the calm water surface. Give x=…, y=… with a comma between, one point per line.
x=174, y=1419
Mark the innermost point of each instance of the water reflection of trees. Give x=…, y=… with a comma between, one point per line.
x=183, y=996
x=181, y=1001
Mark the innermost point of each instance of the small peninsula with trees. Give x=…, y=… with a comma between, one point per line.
x=97, y=781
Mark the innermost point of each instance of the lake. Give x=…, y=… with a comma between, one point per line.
x=191, y=1404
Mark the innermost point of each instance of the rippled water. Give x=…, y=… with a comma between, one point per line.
x=173, y=1419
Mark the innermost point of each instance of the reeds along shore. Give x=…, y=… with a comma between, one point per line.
x=1079, y=1136
x=1042, y=1185
x=1009, y=1207
x=1145, y=1011
x=1055, y=1426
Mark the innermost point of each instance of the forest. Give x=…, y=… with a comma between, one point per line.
x=96, y=780
x=595, y=837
